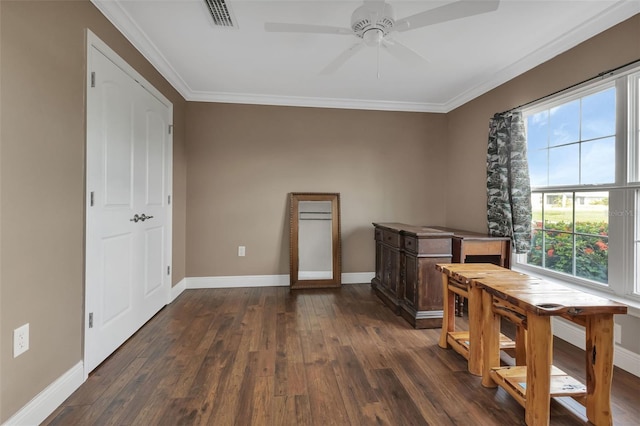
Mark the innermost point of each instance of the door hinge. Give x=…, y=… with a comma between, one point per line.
x=169, y=199
x=91, y=320
x=168, y=270
x=93, y=79
x=170, y=128
x=91, y=199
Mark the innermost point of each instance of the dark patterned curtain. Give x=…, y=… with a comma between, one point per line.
x=508, y=188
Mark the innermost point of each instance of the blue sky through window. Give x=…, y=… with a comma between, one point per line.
x=574, y=143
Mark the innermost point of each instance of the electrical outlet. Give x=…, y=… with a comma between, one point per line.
x=617, y=333
x=241, y=251
x=20, y=340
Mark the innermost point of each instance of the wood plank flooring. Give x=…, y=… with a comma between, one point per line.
x=265, y=356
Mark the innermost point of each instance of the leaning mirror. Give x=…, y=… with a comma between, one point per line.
x=315, y=240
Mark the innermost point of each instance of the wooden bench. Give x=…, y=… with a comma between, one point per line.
x=532, y=303
x=457, y=280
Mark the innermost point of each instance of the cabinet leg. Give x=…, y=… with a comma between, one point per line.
x=459, y=305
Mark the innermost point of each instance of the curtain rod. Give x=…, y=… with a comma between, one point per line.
x=607, y=73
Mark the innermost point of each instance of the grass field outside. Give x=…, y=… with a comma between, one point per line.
x=554, y=214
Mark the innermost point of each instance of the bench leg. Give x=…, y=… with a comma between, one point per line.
x=599, y=350
x=448, y=315
x=475, y=331
x=490, y=331
x=539, y=360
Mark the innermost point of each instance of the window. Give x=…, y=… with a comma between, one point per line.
x=584, y=163
x=637, y=246
x=570, y=233
x=574, y=143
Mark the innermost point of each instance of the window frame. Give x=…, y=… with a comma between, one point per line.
x=624, y=200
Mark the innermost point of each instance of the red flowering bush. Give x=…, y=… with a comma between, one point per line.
x=586, y=254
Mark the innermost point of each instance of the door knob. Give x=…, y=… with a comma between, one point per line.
x=140, y=218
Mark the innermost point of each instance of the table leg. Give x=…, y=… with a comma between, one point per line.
x=599, y=350
x=539, y=359
x=475, y=333
x=490, y=338
x=448, y=314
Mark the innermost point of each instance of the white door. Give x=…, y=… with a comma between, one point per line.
x=128, y=229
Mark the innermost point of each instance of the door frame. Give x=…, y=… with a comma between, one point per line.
x=93, y=42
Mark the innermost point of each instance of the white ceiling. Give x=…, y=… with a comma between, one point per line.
x=467, y=57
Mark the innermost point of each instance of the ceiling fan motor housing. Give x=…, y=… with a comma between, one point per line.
x=376, y=16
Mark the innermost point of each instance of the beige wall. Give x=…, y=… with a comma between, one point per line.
x=42, y=193
x=469, y=124
x=244, y=160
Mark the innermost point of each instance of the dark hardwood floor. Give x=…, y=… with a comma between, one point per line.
x=265, y=356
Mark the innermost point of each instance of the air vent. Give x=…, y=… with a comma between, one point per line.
x=221, y=13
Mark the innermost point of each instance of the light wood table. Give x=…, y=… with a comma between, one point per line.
x=532, y=304
x=457, y=279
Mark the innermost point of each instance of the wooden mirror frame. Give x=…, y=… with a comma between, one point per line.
x=294, y=200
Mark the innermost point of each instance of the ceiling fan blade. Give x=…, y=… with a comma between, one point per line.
x=275, y=27
x=342, y=58
x=402, y=52
x=448, y=12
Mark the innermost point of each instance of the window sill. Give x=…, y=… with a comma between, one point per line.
x=633, y=304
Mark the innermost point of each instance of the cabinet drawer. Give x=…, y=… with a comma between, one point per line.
x=482, y=247
x=391, y=238
x=427, y=245
x=378, y=235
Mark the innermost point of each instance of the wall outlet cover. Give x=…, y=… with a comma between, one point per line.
x=20, y=340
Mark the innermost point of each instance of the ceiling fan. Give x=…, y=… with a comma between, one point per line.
x=373, y=23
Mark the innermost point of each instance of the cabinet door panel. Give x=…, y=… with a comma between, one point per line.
x=410, y=280
x=430, y=295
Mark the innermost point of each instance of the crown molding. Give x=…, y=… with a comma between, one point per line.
x=257, y=99
x=119, y=17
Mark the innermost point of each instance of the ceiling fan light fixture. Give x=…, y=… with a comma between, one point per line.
x=372, y=37
x=378, y=15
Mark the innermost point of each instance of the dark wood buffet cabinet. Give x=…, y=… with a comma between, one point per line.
x=406, y=279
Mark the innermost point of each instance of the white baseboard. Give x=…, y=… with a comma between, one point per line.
x=265, y=280
x=177, y=290
x=358, y=277
x=623, y=358
x=46, y=402
x=238, y=281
